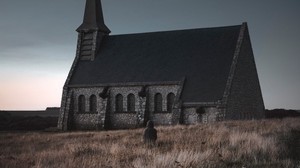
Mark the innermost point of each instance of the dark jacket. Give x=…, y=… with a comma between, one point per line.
x=150, y=133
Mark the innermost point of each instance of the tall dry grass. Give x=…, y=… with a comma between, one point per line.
x=265, y=143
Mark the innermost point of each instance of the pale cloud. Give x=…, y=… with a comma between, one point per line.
x=27, y=93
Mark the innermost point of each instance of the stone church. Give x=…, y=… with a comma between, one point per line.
x=170, y=77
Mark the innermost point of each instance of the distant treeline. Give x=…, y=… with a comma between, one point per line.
x=281, y=113
x=29, y=120
x=11, y=122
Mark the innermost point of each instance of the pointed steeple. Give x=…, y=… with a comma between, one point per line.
x=92, y=31
x=93, y=18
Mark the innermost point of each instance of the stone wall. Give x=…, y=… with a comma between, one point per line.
x=124, y=91
x=190, y=116
x=86, y=121
x=124, y=120
x=164, y=90
x=106, y=115
x=193, y=115
x=211, y=114
x=87, y=93
x=162, y=118
x=129, y=119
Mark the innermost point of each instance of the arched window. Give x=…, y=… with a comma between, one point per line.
x=170, y=101
x=157, y=102
x=81, y=104
x=130, y=102
x=93, y=104
x=119, y=103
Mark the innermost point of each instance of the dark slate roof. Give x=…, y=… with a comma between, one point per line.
x=202, y=56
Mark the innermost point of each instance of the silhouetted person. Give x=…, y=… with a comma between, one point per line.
x=150, y=133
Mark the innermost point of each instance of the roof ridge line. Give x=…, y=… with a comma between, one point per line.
x=128, y=84
x=234, y=62
x=175, y=30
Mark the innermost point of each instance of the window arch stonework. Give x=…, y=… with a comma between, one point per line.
x=93, y=104
x=131, y=102
x=119, y=103
x=170, y=101
x=158, y=102
x=81, y=104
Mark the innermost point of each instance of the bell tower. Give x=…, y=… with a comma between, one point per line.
x=91, y=31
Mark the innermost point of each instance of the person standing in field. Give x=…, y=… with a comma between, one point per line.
x=150, y=133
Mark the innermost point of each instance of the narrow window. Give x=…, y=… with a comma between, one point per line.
x=158, y=102
x=130, y=102
x=93, y=104
x=81, y=104
x=170, y=101
x=119, y=103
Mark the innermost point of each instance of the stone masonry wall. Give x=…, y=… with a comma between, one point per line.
x=211, y=114
x=130, y=120
x=208, y=114
x=86, y=119
x=144, y=109
x=164, y=117
x=124, y=119
x=190, y=116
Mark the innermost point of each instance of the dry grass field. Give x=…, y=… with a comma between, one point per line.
x=265, y=143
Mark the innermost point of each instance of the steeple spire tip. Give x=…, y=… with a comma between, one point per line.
x=93, y=18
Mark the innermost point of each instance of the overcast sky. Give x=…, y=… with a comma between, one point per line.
x=38, y=41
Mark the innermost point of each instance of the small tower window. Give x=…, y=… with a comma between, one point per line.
x=130, y=102
x=170, y=101
x=158, y=102
x=81, y=104
x=86, y=45
x=93, y=104
x=119, y=103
